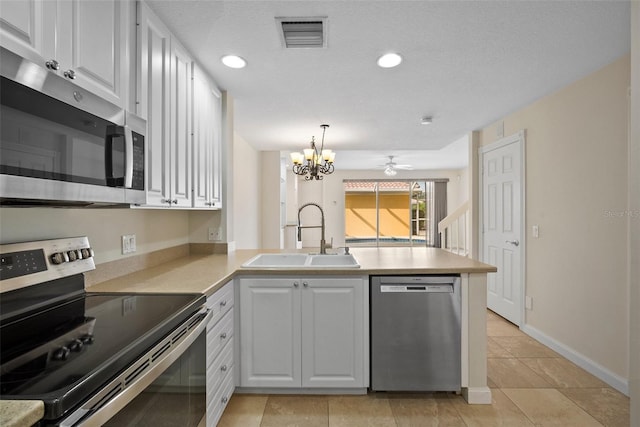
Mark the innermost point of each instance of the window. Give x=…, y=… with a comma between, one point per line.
x=390, y=213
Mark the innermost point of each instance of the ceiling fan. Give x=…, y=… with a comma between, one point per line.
x=391, y=167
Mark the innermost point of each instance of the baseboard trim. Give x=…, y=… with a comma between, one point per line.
x=477, y=395
x=306, y=391
x=594, y=368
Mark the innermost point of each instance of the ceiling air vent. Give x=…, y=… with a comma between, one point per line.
x=303, y=32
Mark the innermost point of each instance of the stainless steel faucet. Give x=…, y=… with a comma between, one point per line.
x=323, y=243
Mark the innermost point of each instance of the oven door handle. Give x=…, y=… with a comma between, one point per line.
x=131, y=382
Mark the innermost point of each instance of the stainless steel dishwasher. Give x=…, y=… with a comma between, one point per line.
x=415, y=333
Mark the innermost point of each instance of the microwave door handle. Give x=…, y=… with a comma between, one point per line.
x=128, y=157
x=113, y=131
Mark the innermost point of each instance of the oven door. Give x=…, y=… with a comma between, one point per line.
x=166, y=386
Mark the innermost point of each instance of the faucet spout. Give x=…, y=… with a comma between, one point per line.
x=323, y=243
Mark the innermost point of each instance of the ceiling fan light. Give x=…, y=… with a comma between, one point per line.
x=389, y=171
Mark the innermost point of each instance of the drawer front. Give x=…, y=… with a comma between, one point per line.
x=216, y=406
x=220, y=302
x=219, y=369
x=218, y=336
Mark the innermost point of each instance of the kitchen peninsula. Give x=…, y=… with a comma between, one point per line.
x=209, y=273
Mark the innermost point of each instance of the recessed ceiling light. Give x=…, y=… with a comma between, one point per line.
x=427, y=120
x=233, y=61
x=389, y=60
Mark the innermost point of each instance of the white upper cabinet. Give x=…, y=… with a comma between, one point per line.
x=206, y=142
x=183, y=112
x=164, y=89
x=83, y=41
x=153, y=98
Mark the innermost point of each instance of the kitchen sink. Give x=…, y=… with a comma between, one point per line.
x=333, y=260
x=277, y=260
x=297, y=260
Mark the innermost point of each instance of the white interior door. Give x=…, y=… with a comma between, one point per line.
x=502, y=222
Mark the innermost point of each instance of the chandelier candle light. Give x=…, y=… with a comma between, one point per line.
x=313, y=162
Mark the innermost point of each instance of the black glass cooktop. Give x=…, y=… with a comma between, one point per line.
x=61, y=353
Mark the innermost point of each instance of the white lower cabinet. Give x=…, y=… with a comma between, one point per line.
x=220, y=378
x=308, y=332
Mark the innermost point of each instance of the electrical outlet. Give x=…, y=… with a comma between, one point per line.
x=125, y=245
x=528, y=302
x=128, y=243
x=215, y=233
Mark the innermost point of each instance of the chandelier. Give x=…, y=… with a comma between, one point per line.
x=313, y=162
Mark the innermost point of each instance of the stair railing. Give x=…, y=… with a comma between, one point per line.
x=454, y=231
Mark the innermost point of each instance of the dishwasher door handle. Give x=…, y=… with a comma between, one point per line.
x=430, y=288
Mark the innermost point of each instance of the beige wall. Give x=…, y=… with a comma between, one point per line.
x=247, y=201
x=576, y=191
x=154, y=229
x=634, y=220
x=269, y=209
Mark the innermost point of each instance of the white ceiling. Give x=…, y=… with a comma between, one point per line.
x=467, y=64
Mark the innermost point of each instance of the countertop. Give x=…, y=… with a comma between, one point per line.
x=20, y=413
x=207, y=273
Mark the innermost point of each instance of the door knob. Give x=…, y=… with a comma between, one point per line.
x=513, y=242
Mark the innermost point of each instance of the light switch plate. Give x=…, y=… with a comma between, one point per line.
x=535, y=231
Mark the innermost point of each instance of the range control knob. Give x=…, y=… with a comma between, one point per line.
x=61, y=354
x=86, y=253
x=87, y=339
x=59, y=258
x=73, y=255
x=75, y=345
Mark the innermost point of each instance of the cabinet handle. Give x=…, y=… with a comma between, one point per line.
x=224, y=400
x=223, y=368
x=305, y=284
x=166, y=201
x=52, y=64
x=296, y=284
x=70, y=74
x=223, y=335
x=223, y=303
x=174, y=201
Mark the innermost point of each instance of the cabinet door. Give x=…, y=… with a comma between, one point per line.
x=91, y=39
x=333, y=332
x=216, y=151
x=206, y=142
x=153, y=102
x=23, y=28
x=181, y=122
x=269, y=333
x=202, y=139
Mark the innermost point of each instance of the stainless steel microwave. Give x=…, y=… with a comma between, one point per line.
x=62, y=145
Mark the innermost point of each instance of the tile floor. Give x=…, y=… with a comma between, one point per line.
x=531, y=386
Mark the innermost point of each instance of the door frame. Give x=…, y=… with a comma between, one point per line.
x=516, y=138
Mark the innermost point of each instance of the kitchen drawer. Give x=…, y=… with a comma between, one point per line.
x=220, y=302
x=219, y=369
x=220, y=400
x=218, y=335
